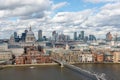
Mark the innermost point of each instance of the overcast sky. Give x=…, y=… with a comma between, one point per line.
x=93, y=16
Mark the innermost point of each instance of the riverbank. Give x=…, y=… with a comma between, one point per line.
x=52, y=64
x=93, y=63
x=25, y=65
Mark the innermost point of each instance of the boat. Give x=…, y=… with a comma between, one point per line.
x=31, y=67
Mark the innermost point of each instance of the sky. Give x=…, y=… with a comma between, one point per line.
x=95, y=17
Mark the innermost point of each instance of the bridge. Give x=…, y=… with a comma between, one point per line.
x=88, y=74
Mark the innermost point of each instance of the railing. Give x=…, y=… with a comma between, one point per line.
x=93, y=76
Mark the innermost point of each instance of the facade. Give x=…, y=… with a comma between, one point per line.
x=33, y=55
x=87, y=57
x=116, y=58
x=17, y=51
x=99, y=58
x=5, y=55
x=108, y=56
x=3, y=46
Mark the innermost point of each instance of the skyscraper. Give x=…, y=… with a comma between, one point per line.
x=15, y=34
x=92, y=37
x=40, y=35
x=82, y=35
x=108, y=36
x=75, y=35
x=54, y=36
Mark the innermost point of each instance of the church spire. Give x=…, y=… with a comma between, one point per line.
x=30, y=28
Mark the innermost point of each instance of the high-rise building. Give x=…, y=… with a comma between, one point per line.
x=40, y=35
x=75, y=35
x=109, y=36
x=24, y=36
x=86, y=38
x=44, y=38
x=82, y=35
x=15, y=34
x=92, y=37
x=79, y=37
x=16, y=37
x=54, y=36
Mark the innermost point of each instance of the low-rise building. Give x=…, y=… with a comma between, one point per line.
x=116, y=56
x=5, y=55
x=33, y=55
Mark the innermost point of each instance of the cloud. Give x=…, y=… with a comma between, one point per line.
x=39, y=15
x=71, y=17
x=99, y=1
x=59, y=5
x=24, y=8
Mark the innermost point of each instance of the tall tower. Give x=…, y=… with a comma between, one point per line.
x=54, y=36
x=82, y=35
x=40, y=35
x=75, y=35
x=109, y=36
x=15, y=34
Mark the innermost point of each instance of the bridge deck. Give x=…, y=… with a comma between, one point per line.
x=86, y=73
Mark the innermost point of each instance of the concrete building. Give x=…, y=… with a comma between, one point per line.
x=99, y=58
x=17, y=51
x=3, y=46
x=116, y=56
x=108, y=56
x=5, y=55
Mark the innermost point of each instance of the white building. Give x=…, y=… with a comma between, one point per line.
x=5, y=55
x=30, y=36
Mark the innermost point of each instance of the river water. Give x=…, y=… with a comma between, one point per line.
x=112, y=72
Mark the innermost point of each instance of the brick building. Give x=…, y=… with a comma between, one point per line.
x=33, y=55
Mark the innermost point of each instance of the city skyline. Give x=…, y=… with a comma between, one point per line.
x=95, y=17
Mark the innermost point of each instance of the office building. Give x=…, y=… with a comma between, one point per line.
x=92, y=38
x=40, y=35
x=75, y=35
x=82, y=35
x=109, y=36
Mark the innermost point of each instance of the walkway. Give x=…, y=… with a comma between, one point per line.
x=86, y=73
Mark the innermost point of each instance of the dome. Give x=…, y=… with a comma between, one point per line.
x=30, y=36
x=30, y=33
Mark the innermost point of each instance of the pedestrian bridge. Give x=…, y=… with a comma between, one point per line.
x=88, y=74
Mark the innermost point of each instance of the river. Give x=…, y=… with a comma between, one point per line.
x=57, y=73
x=111, y=71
